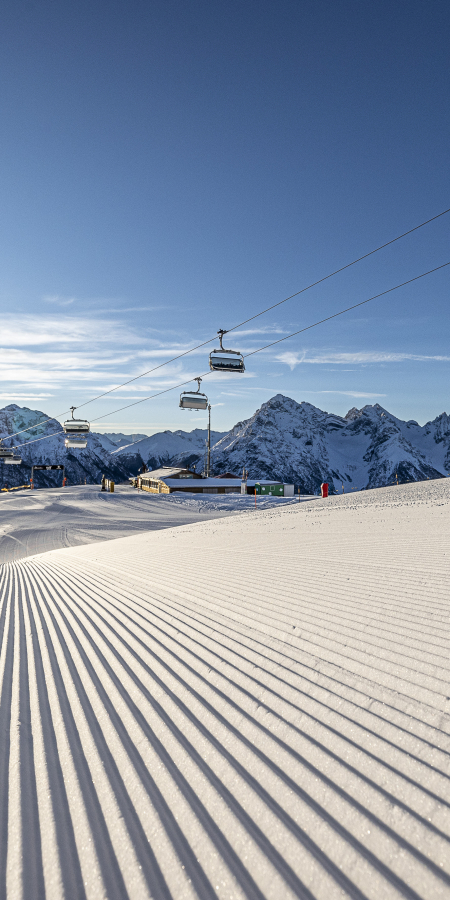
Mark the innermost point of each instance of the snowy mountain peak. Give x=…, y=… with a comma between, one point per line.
x=352, y=414
x=299, y=443
x=14, y=419
x=280, y=402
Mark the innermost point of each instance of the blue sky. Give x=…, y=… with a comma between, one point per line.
x=170, y=168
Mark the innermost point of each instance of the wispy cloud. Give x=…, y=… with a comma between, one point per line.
x=30, y=330
x=362, y=357
x=263, y=329
x=103, y=369
x=348, y=393
x=60, y=301
x=166, y=351
x=132, y=309
x=15, y=398
x=105, y=307
x=291, y=359
x=84, y=355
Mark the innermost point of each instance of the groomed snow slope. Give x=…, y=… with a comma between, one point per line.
x=36, y=521
x=254, y=707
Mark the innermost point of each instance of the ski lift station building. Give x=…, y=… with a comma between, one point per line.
x=165, y=480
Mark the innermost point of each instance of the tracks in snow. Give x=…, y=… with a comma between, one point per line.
x=241, y=720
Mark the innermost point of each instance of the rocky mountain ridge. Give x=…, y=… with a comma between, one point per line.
x=369, y=447
x=118, y=439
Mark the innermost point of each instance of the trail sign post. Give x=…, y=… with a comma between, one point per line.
x=36, y=468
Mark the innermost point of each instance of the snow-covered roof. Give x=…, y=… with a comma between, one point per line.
x=203, y=482
x=168, y=472
x=216, y=482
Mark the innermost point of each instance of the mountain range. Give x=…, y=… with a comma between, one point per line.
x=119, y=439
x=43, y=444
x=284, y=441
x=168, y=448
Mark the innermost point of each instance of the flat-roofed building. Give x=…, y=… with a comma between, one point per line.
x=159, y=481
x=166, y=480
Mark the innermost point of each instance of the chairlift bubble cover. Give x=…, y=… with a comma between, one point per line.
x=228, y=361
x=76, y=443
x=76, y=426
x=193, y=400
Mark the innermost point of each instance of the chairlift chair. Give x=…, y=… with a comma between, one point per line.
x=76, y=426
x=76, y=430
x=223, y=360
x=7, y=456
x=76, y=442
x=194, y=399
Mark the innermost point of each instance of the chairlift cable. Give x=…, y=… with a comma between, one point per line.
x=274, y=306
x=294, y=333
x=245, y=322
x=348, y=309
x=35, y=440
x=342, y=269
x=306, y=328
